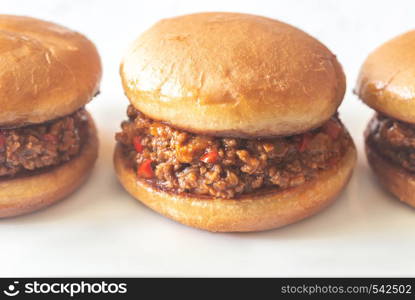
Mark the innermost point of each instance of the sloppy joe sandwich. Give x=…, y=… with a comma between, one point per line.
x=48, y=142
x=387, y=84
x=233, y=122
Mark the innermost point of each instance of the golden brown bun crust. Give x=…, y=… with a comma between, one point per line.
x=232, y=74
x=252, y=212
x=46, y=71
x=387, y=78
x=394, y=178
x=26, y=194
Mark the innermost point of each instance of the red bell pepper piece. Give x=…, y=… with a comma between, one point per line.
x=145, y=170
x=137, y=144
x=210, y=157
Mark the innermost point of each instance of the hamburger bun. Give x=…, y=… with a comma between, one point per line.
x=231, y=74
x=251, y=212
x=24, y=194
x=387, y=78
x=46, y=71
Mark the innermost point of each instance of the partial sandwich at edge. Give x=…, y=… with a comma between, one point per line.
x=48, y=141
x=387, y=84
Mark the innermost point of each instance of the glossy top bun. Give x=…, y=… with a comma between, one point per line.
x=232, y=74
x=46, y=71
x=387, y=78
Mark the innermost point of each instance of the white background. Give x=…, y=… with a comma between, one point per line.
x=102, y=231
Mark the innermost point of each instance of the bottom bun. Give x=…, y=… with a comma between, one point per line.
x=25, y=194
x=394, y=178
x=253, y=212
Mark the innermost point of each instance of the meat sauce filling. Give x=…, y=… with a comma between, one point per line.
x=182, y=162
x=38, y=146
x=394, y=140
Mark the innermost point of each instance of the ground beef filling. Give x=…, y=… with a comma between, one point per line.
x=38, y=146
x=394, y=140
x=178, y=161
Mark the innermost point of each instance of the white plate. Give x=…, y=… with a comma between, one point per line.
x=102, y=231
